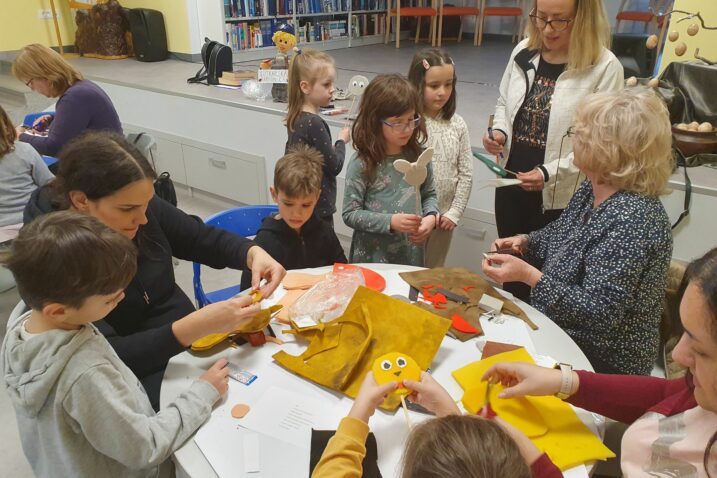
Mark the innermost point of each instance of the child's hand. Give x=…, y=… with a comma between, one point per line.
x=446, y=224
x=429, y=394
x=494, y=146
x=428, y=224
x=369, y=397
x=218, y=376
x=345, y=135
x=405, y=223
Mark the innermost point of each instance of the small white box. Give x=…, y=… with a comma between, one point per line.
x=490, y=304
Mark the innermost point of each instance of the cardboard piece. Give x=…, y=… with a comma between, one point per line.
x=341, y=352
x=466, y=283
x=568, y=442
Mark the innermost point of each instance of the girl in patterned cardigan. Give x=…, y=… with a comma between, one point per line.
x=433, y=74
x=379, y=204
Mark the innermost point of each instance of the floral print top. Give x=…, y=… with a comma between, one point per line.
x=604, y=276
x=369, y=205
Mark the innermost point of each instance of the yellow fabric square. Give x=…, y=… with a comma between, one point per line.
x=568, y=442
x=373, y=325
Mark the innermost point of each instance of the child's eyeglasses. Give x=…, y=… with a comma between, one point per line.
x=403, y=127
x=557, y=24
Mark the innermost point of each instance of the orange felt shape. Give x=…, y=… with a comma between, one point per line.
x=396, y=367
x=460, y=324
x=301, y=280
x=287, y=300
x=373, y=279
x=343, y=351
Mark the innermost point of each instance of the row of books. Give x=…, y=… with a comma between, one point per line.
x=364, y=25
x=270, y=8
x=246, y=35
x=322, y=31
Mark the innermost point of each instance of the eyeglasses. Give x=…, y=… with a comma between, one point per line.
x=403, y=127
x=556, y=24
x=27, y=83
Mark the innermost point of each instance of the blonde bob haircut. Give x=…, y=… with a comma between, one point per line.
x=624, y=138
x=39, y=61
x=590, y=34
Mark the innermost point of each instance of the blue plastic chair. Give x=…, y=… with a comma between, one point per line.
x=49, y=160
x=29, y=119
x=244, y=221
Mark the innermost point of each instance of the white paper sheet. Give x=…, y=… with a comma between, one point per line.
x=499, y=182
x=252, y=457
x=511, y=331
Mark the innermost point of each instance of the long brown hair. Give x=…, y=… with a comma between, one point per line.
x=462, y=445
x=307, y=65
x=384, y=97
x=7, y=133
x=39, y=61
x=702, y=272
x=590, y=35
x=417, y=76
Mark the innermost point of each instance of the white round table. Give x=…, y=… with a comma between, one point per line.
x=390, y=428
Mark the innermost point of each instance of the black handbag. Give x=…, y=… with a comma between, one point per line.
x=217, y=59
x=163, y=185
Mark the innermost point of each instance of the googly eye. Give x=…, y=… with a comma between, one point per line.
x=355, y=83
x=386, y=365
x=361, y=84
x=401, y=362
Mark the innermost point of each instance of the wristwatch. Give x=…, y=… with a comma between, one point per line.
x=566, y=383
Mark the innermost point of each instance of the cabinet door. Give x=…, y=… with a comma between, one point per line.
x=697, y=233
x=241, y=179
x=169, y=157
x=470, y=240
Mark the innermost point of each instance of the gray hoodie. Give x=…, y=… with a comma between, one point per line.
x=82, y=413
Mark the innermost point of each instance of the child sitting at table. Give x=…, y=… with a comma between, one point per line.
x=80, y=411
x=296, y=237
x=451, y=444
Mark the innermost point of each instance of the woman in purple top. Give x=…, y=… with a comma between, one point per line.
x=81, y=104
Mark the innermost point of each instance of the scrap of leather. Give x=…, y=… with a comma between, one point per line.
x=342, y=352
x=466, y=283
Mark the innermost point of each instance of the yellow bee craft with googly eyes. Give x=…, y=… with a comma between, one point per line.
x=396, y=367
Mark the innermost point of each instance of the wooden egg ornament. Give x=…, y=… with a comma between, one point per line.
x=396, y=367
x=357, y=84
x=632, y=81
x=681, y=126
x=693, y=29
x=653, y=83
x=673, y=36
x=681, y=48
x=651, y=42
x=694, y=126
x=705, y=127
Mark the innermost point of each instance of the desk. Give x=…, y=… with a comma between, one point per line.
x=389, y=428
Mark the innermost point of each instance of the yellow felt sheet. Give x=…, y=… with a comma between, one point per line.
x=568, y=442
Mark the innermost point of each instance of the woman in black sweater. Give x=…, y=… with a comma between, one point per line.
x=105, y=176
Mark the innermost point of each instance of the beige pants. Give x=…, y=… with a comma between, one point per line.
x=437, y=248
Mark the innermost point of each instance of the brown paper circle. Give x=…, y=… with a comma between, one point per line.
x=240, y=410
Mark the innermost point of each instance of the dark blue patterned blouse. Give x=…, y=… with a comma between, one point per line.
x=604, y=276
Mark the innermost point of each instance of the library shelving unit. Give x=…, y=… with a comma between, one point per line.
x=321, y=24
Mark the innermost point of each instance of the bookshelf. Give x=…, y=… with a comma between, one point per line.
x=321, y=24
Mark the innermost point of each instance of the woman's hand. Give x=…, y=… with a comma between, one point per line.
x=518, y=244
x=446, y=224
x=494, y=146
x=263, y=266
x=370, y=396
x=218, y=376
x=504, y=268
x=345, y=135
x=218, y=318
x=526, y=379
x=19, y=130
x=532, y=180
x=429, y=394
x=405, y=223
x=428, y=224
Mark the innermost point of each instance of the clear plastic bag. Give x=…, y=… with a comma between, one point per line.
x=328, y=299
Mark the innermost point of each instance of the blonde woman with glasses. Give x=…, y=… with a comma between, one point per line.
x=565, y=57
x=599, y=271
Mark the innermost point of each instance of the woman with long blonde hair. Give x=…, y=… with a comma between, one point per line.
x=81, y=104
x=565, y=57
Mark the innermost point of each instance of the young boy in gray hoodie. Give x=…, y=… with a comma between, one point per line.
x=81, y=412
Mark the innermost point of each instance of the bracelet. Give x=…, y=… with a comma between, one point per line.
x=566, y=382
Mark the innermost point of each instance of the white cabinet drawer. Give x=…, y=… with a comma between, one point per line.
x=232, y=177
x=470, y=240
x=168, y=156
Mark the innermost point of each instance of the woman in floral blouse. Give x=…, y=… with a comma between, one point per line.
x=599, y=271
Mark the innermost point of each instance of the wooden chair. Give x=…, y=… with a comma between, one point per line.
x=418, y=12
x=458, y=12
x=503, y=11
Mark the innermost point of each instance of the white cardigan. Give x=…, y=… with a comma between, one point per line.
x=570, y=87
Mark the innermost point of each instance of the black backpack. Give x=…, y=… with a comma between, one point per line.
x=163, y=185
x=217, y=59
